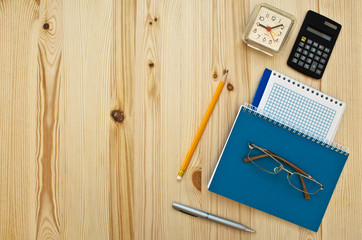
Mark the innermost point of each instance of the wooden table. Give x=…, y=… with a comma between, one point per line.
x=100, y=101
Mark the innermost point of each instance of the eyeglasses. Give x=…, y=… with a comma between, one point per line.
x=267, y=161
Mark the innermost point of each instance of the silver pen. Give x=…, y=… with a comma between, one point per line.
x=197, y=213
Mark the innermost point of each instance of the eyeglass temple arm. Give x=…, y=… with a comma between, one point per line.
x=306, y=195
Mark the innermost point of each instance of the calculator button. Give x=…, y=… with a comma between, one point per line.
x=307, y=47
x=301, y=44
x=309, y=61
x=313, y=50
x=306, y=66
x=325, y=55
x=311, y=55
x=294, y=60
x=305, y=52
x=300, y=63
x=327, y=50
x=319, y=52
x=323, y=61
x=299, y=49
x=320, y=66
x=314, y=66
x=321, y=47
x=302, y=58
x=319, y=72
x=297, y=55
x=303, y=39
x=315, y=44
x=317, y=58
x=309, y=41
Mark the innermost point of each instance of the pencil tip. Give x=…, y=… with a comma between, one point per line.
x=179, y=178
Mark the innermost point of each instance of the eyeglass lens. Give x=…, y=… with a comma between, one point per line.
x=266, y=163
x=296, y=182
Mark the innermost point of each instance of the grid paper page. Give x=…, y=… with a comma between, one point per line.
x=302, y=106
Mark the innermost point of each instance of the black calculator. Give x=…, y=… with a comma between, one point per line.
x=314, y=45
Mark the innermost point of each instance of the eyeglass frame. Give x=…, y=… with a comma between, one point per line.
x=298, y=171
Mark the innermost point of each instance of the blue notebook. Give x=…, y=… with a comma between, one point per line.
x=245, y=183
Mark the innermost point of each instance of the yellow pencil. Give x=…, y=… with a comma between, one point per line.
x=202, y=127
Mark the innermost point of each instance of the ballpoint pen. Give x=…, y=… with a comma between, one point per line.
x=197, y=213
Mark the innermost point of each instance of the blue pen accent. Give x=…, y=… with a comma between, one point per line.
x=261, y=88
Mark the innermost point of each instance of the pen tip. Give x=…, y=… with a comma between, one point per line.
x=179, y=178
x=250, y=230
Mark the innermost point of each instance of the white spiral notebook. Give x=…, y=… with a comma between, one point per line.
x=298, y=105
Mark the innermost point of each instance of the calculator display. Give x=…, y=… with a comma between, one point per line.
x=318, y=33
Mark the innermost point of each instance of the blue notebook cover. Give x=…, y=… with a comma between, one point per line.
x=247, y=184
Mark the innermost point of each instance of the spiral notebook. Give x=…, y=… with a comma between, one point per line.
x=272, y=193
x=300, y=105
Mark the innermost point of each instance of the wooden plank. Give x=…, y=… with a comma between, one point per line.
x=83, y=174
x=121, y=160
x=19, y=28
x=48, y=119
x=147, y=159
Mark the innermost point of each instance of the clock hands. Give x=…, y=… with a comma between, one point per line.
x=269, y=29
x=272, y=36
x=277, y=26
x=259, y=24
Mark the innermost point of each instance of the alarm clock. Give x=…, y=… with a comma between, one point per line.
x=268, y=29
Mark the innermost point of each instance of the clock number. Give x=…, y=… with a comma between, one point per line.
x=261, y=18
x=282, y=27
x=280, y=33
x=264, y=39
x=276, y=40
x=258, y=36
x=267, y=15
x=273, y=18
x=255, y=30
x=270, y=42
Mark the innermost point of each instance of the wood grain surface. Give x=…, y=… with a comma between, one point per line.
x=100, y=101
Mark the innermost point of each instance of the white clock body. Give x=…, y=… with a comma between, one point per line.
x=268, y=29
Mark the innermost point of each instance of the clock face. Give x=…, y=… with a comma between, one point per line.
x=268, y=29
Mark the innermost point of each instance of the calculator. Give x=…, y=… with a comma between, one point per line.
x=314, y=45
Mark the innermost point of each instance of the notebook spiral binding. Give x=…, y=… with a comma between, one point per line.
x=266, y=116
x=314, y=91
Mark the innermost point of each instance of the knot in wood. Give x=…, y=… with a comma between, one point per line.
x=214, y=75
x=46, y=26
x=117, y=116
x=230, y=87
x=196, y=179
